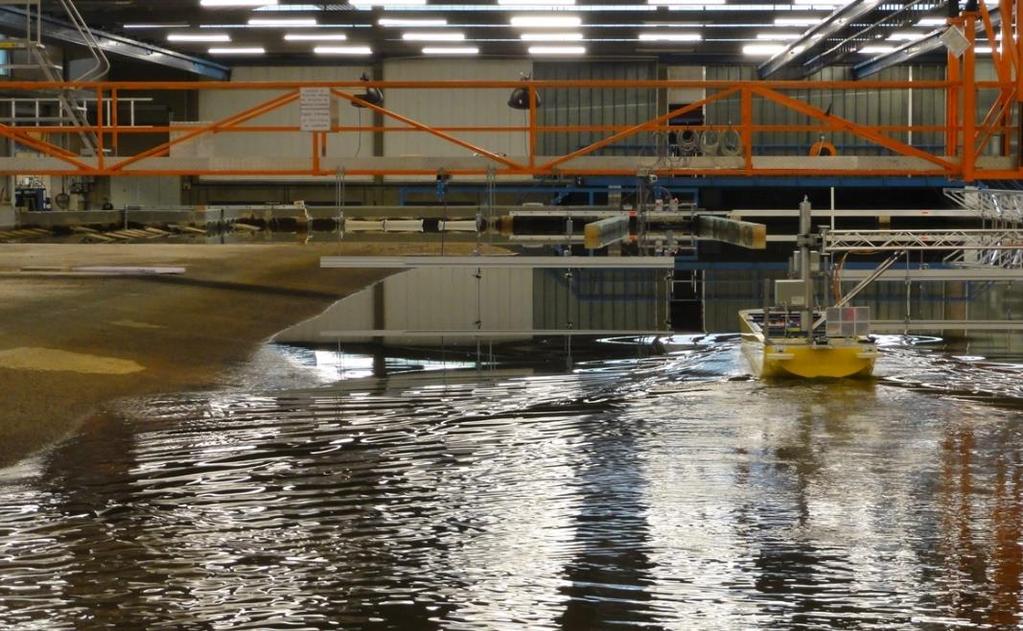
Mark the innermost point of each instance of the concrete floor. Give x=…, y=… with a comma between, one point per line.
x=69, y=346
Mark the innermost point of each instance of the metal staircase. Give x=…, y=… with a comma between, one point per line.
x=70, y=108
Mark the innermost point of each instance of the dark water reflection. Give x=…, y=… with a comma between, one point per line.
x=643, y=491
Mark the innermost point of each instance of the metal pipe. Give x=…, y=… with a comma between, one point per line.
x=805, y=227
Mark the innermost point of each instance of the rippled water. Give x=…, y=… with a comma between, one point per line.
x=641, y=491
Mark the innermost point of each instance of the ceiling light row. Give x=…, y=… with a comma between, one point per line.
x=443, y=37
x=429, y=50
x=237, y=3
x=536, y=5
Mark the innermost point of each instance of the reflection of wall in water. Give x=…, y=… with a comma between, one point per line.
x=728, y=291
x=498, y=299
x=620, y=300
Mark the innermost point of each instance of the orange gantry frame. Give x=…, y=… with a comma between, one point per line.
x=964, y=147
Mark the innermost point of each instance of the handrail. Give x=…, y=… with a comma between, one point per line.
x=102, y=63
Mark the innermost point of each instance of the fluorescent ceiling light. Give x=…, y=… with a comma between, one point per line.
x=236, y=3
x=451, y=50
x=246, y=50
x=433, y=37
x=982, y=50
x=762, y=50
x=547, y=3
x=796, y=21
x=683, y=3
x=778, y=37
x=315, y=37
x=290, y=7
x=545, y=21
x=932, y=22
x=670, y=37
x=876, y=50
x=904, y=36
x=343, y=50
x=557, y=50
x=154, y=25
x=820, y=3
x=198, y=37
x=387, y=3
x=539, y=5
x=273, y=22
x=551, y=37
x=410, y=22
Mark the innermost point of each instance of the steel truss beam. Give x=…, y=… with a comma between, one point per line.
x=920, y=240
x=992, y=204
x=965, y=162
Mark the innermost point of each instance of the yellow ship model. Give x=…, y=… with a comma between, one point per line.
x=797, y=340
x=778, y=346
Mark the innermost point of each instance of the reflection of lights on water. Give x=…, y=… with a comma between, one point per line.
x=628, y=340
x=334, y=365
x=331, y=364
x=906, y=340
x=678, y=339
x=969, y=358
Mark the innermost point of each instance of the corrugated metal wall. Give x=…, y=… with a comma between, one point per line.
x=596, y=107
x=868, y=107
x=455, y=107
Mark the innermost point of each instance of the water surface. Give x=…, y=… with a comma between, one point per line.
x=622, y=489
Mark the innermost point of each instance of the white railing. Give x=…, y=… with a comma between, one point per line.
x=53, y=111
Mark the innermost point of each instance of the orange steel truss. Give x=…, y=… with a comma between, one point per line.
x=966, y=152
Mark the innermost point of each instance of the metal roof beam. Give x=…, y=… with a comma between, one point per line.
x=910, y=50
x=900, y=55
x=861, y=36
x=59, y=30
x=835, y=22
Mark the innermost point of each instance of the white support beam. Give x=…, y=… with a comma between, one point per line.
x=534, y=262
x=901, y=213
x=474, y=333
x=899, y=326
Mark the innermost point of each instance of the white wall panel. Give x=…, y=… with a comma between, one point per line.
x=455, y=107
x=686, y=73
x=217, y=104
x=150, y=192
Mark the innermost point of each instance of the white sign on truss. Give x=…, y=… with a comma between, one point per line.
x=316, y=109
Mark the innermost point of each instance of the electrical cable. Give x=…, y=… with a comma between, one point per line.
x=730, y=143
x=688, y=141
x=358, y=142
x=709, y=142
